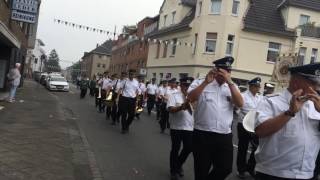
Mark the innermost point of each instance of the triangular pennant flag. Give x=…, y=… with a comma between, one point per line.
x=87, y=28
x=73, y=24
x=101, y=31
x=58, y=21
x=186, y=44
x=94, y=30
x=66, y=23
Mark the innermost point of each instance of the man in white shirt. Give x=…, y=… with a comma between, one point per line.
x=164, y=120
x=288, y=128
x=216, y=96
x=181, y=125
x=251, y=100
x=141, y=96
x=130, y=90
x=160, y=89
x=151, y=95
x=106, y=89
x=115, y=114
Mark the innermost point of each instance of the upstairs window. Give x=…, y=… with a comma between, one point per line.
x=158, y=50
x=165, y=49
x=165, y=20
x=304, y=19
x=216, y=6
x=302, y=55
x=195, y=43
x=230, y=42
x=173, y=17
x=273, y=51
x=314, y=55
x=211, y=41
x=235, y=7
x=174, y=47
x=98, y=65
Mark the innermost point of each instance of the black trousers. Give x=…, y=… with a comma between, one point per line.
x=158, y=108
x=177, y=157
x=164, y=119
x=100, y=101
x=150, y=102
x=92, y=92
x=83, y=93
x=114, y=109
x=212, y=151
x=246, y=138
x=261, y=176
x=127, y=108
x=96, y=95
x=108, y=112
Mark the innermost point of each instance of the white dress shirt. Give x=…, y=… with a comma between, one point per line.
x=142, y=88
x=214, y=111
x=130, y=88
x=181, y=120
x=250, y=103
x=152, y=89
x=292, y=151
x=106, y=83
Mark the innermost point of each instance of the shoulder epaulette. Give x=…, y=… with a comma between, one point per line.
x=272, y=95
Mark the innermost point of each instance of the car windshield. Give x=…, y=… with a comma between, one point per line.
x=58, y=79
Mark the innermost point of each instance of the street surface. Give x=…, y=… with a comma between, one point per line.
x=56, y=135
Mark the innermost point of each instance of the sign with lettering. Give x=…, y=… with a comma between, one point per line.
x=25, y=10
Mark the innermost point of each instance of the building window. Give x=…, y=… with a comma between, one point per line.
x=154, y=75
x=183, y=75
x=168, y=76
x=314, y=55
x=165, y=49
x=195, y=43
x=165, y=20
x=173, y=17
x=215, y=6
x=235, y=7
x=273, y=51
x=304, y=19
x=161, y=76
x=98, y=65
x=200, y=8
x=211, y=42
x=103, y=65
x=174, y=47
x=302, y=55
x=158, y=50
x=230, y=42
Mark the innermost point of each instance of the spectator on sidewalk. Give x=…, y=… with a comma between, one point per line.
x=14, y=77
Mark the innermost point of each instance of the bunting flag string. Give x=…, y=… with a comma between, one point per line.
x=124, y=36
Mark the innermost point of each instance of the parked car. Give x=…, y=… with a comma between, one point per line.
x=51, y=76
x=58, y=84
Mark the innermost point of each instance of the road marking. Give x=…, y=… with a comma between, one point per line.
x=1, y=108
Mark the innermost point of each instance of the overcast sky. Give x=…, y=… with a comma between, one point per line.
x=71, y=43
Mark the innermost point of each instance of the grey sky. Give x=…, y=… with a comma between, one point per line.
x=71, y=43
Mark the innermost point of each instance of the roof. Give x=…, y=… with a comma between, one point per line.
x=306, y=4
x=264, y=16
x=104, y=48
x=183, y=25
x=191, y=3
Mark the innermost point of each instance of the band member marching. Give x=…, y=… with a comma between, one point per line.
x=251, y=100
x=164, y=120
x=287, y=125
x=160, y=89
x=216, y=96
x=151, y=95
x=110, y=96
x=141, y=96
x=181, y=125
x=116, y=111
x=130, y=90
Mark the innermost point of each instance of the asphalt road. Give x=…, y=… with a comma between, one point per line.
x=143, y=154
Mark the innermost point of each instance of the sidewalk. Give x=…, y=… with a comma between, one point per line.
x=39, y=140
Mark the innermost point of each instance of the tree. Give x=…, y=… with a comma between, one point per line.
x=53, y=63
x=75, y=68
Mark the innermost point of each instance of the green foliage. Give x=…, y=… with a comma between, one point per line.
x=53, y=62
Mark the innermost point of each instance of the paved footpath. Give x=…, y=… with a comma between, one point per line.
x=40, y=140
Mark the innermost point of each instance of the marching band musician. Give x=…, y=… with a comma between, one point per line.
x=181, y=125
x=106, y=85
x=97, y=90
x=110, y=92
x=251, y=100
x=159, y=98
x=151, y=95
x=141, y=95
x=287, y=126
x=130, y=90
x=212, y=138
x=116, y=113
x=164, y=120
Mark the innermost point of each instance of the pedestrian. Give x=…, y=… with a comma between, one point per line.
x=251, y=100
x=92, y=86
x=159, y=98
x=119, y=101
x=164, y=119
x=151, y=95
x=14, y=77
x=287, y=125
x=130, y=90
x=84, y=84
x=181, y=125
x=97, y=90
x=216, y=96
x=141, y=96
x=109, y=96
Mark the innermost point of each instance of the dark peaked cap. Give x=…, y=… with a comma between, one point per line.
x=224, y=63
x=255, y=81
x=309, y=71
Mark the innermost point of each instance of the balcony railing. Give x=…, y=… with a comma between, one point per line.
x=309, y=30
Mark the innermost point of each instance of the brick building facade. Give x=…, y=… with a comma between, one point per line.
x=130, y=50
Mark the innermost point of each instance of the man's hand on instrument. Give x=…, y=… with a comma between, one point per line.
x=296, y=103
x=315, y=98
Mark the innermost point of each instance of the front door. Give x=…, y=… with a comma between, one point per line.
x=3, y=66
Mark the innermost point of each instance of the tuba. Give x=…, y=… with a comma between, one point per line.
x=108, y=99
